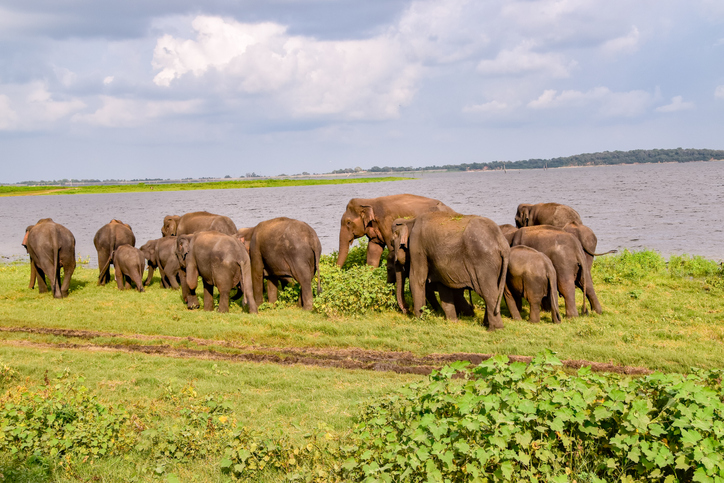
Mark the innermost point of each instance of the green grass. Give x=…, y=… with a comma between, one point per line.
x=664, y=315
x=143, y=187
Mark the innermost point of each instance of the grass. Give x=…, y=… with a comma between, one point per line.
x=664, y=315
x=143, y=187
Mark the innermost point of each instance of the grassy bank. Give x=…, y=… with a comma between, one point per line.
x=183, y=414
x=213, y=185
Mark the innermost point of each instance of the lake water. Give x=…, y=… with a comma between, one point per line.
x=671, y=208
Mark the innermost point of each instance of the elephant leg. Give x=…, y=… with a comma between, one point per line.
x=189, y=282
x=462, y=307
x=447, y=301
x=272, y=290
x=33, y=275
x=512, y=305
x=374, y=253
x=591, y=294
x=224, y=293
x=306, y=297
x=431, y=297
x=534, y=310
x=67, y=274
x=568, y=291
x=138, y=280
x=418, y=280
x=42, y=284
x=118, y=273
x=490, y=295
x=105, y=276
x=209, y=297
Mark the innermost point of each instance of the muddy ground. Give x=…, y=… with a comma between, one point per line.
x=370, y=360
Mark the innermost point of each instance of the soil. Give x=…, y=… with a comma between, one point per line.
x=370, y=360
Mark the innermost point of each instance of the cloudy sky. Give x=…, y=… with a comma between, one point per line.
x=175, y=88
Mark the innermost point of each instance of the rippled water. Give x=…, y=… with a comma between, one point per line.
x=671, y=208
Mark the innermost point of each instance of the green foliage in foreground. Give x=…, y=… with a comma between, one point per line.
x=212, y=185
x=500, y=422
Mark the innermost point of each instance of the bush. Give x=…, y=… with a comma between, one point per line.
x=534, y=422
x=632, y=266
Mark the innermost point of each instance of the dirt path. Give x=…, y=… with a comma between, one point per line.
x=399, y=362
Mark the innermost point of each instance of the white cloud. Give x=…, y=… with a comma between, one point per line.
x=719, y=92
x=677, y=104
x=108, y=80
x=522, y=59
x=117, y=112
x=32, y=106
x=627, y=44
x=358, y=79
x=606, y=102
x=492, y=106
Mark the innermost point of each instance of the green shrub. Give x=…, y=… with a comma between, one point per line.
x=631, y=266
x=696, y=266
x=518, y=422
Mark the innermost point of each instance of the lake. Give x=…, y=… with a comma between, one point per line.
x=671, y=208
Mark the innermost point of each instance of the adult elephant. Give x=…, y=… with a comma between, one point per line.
x=554, y=214
x=221, y=260
x=508, y=231
x=283, y=250
x=51, y=246
x=33, y=274
x=374, y=217
x=197, y=221
x=588, y=241
x=109, y=237
x=566, y=253
x=161, y=255
x=400, y=263
x=458, y=252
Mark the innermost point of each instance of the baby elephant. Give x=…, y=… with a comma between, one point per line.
x=129, y=264
x=531, y=276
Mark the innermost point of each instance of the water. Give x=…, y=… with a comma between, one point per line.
x=671, y=208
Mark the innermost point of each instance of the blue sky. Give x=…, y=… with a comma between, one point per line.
x=173, y=88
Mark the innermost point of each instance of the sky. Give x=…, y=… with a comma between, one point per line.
x=174, y=88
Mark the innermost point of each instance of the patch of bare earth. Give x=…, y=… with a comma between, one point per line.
x=371, y=360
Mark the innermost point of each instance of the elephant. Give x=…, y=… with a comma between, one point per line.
x=568, y=258
x=374, y=217
x=197, y=221
x=457, y=251
x=554, y=214
x=129, y=264
x=282, y=250
x=508, y=231
x=109, y=237
x=400, y=262
x=221, y=260
x=51, y=247
x=161, y=254
x=531, y=275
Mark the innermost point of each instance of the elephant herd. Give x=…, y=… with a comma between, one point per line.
x=548, y=251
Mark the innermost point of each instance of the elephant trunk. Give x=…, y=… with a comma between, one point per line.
x=345, y=240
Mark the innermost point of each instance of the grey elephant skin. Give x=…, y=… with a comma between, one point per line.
x=554, y=214
x=197, y=221
x=531, y=276
x=568, y=258
x=400, y=261
x=129, y=264
x=222, y=261
x=458, y=252
x=51, y=246
x=161, y=254
x=374, y=217
x=109, y=237
x=283, y=250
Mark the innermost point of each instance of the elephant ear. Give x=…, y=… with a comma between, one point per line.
x=368, y=214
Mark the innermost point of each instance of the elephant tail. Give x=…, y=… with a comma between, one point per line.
x=501, y=284
x=600, y=254
x=553, y=297
x=582, y=274
x=107, y=264
x=56, y=266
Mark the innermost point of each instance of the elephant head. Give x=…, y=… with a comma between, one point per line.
x=244, y=237
x=183, y=246
x=400, y=240
x=170, y=225
x=522, y=216
x=356, y=222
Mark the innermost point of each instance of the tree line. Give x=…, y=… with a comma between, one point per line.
x=637, y=156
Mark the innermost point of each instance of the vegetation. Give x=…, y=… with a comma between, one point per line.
x=14, y=190
x=638, y=156
x=82, y=397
